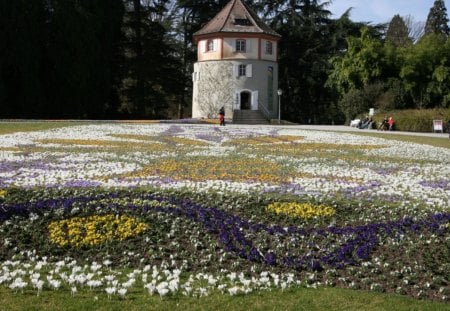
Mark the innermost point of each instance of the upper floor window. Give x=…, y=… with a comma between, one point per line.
x=210, y=45
x=240, y=45
x=269, y=47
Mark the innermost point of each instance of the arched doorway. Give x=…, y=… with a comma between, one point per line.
x=246, y=102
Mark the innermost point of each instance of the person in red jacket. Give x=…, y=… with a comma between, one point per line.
x=222, y=116
x=391, y=123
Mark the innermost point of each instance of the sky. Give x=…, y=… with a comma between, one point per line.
x=382, y=11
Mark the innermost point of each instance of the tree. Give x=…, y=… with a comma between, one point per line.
x=59, y=58
x=22, y=51
x=305, y=47
x=190, y=16
x=362, y=64
x=437, y=20
x=397, y=32
x=152, y=73
x=426, y=72
x=352, y=103
x=83, y=55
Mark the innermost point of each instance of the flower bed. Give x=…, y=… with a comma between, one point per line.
x=136, y=214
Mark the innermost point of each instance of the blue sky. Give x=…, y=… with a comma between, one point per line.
x=382, y=11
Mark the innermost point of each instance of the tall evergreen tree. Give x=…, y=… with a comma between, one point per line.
x=23, y=39
x=437, y=20
x=397, y=32
x=305, y=47
x=151, y=70
x=82, y=53
x=190, y=16
x=59, y=58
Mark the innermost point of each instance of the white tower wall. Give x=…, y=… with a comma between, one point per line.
x=219, y=83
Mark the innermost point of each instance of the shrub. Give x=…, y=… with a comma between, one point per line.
x=414, y=120
x=352, y=103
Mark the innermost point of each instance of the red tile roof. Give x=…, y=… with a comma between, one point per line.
x=236, y=16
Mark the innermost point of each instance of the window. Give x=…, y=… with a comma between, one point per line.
x=242, y=72
x=240, y=45
x=269, y=47
x=210, y=45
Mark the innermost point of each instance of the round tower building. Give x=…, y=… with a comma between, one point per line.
x=236, y=65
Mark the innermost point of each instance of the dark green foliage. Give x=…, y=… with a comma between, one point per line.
x=437, y=20
x=426, y=72
x=133, y=59
x=309, y=38
x=352, y=104
x=22, y=55
x=84, y=52
x=363, y=63
x=151, y=71
x=189, y=17
x=59, y=58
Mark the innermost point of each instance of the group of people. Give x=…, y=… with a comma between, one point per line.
x=387, y=124
x=366, y=123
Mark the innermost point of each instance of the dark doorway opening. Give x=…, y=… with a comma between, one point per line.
x=245, y=100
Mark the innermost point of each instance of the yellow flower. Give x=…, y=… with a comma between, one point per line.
x=300, y=210
x=3, y=193
x=93, y=230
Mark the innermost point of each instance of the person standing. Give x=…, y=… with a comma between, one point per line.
x=384, y=125
x=222, y=116
x=391, y=123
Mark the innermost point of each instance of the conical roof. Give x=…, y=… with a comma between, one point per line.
x=236, y=16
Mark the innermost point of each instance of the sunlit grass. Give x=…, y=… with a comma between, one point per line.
x=12, y=127
x=426, y=140
x=262, y=140
x=291, y=299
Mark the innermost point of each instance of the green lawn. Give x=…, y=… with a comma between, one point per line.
x=291, y=299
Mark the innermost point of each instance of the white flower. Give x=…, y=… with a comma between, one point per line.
x=233, y=290
x=122, y=292
x=54, y=283
x=162, y=291
x=150, y=288
x=111, y=291
x=18, y=283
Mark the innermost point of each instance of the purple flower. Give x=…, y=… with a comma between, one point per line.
x=436, y=184
x=270, y=259
x=81, y=183
x=233, y=233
